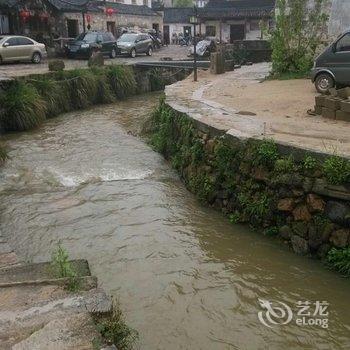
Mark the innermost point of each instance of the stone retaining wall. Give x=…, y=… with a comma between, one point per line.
x=301, y=198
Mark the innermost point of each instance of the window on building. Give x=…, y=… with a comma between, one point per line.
x=72, y=28
x=133, y=2
x=210, y=31
x=145, y=2
x=254, y=25
x=344, y=43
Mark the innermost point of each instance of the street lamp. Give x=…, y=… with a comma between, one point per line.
x=194, y=21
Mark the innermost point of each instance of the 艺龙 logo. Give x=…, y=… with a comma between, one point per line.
x=278, y=314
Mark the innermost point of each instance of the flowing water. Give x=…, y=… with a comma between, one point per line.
x=185, y=277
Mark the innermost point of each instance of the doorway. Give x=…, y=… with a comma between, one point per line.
x=237, y=32
x=111, y=28
x=166, y=35
x=72, y=28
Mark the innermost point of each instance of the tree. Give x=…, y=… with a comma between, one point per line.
x=299, y=32
x=183, y=3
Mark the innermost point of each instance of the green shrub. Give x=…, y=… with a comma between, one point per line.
x=284, y=165
x=114, y=330
x=23, y=107
x=234, y=218
x=309, y=163
x=122, y=80
x=271, y=231
x=55, y=97
x=336, y=170
x=156, y=80
x=104, y=91
x=339, y=260
x=82, y=87
x=266, y=153
x=56, y=66
x=62, y=268
x=203, y=186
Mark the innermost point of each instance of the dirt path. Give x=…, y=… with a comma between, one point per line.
x=247, y=106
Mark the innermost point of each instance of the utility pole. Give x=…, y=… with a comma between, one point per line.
x=194, y=21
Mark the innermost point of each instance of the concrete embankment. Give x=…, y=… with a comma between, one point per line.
x=300, y=195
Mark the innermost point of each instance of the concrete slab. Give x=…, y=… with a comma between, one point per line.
x=280, y=109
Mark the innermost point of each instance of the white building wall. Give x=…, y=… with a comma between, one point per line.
x=134, y=2
x=339, y=20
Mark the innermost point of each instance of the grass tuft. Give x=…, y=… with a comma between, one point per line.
x=339, y=260
x=122, y=81
x=3, y=154
x=114, y=330
x=23, y=107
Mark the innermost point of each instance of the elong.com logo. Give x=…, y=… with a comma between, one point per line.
x=307, y=314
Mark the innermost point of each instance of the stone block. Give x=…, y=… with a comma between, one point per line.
x=300, y=229
x=286, y=204
x=319, y=100
x=318, y=110
x=344, y=93
x=96, y=59
x=341, y=115
x=300, y=245
x=345, y=106
x=332, y=103
x=315, y=203
x=56, y=66
x=286, y=232
x=301, y=213
x=338, y=212
x=340, y=238
x=217, y=63
x=328, y=113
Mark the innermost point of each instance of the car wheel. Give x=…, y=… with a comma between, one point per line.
x=324, y=82
x=149, y=51
x=36, y=58
x=113, y=53
x=133, y=53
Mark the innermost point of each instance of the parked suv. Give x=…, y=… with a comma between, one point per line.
x=20, y=48
x=86, y=43
x=332, y=67
x=132, y=44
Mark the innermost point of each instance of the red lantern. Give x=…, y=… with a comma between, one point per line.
x=110, y=11
x=24, y=15
x=44, y=16
x=88, y=18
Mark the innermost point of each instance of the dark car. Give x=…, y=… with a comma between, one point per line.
x=332, y=67
x=86, y=43
x=133, y=43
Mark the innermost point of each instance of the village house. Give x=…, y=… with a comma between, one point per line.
x=45, y=19
x=227, y=21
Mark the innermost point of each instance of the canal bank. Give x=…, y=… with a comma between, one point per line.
x=298, y=192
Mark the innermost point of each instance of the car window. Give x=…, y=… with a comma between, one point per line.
x=89, y=37
x=12, y=41
x=24, y=41
x=129, y=38
x=344, y=43
x=108, y=37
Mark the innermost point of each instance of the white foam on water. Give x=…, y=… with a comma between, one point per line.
x=68, y=180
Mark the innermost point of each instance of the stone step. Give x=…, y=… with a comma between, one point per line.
x=37, y=272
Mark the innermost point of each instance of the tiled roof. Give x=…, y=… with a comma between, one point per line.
x=131, y=9
x=69, y=5
x=177, y=14
x=237, y=8
x=222, y=9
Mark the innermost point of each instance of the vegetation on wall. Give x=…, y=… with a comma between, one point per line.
x=251, y=182
x=3, y=154
x=298, y=34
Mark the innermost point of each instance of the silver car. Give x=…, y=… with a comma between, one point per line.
x=20, y=48
x=132, y=44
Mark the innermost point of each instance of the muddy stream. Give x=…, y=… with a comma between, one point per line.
x=185, y=277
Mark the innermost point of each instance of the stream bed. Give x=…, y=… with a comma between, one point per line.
x=185, y=277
